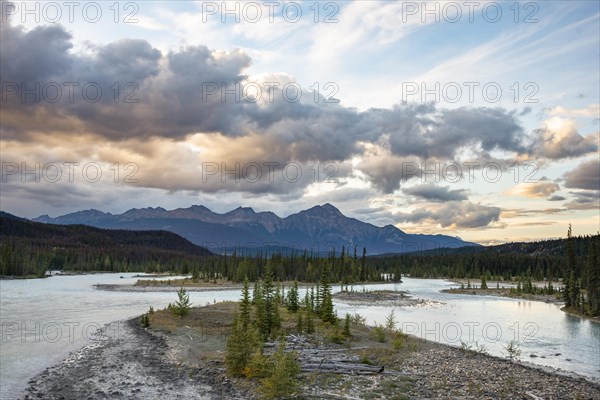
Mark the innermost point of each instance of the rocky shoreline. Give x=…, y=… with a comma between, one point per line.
x=546, y=298
x=447, y=372
x=391, y=298
x=135, y=364
x=146, y=364
x=160, y=288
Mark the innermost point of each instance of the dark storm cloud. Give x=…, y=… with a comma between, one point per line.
x=585, y=176
x=132, y=60
x=435, y=193
x=39, y=54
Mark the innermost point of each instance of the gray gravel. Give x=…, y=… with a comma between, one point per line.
x=445, y=372
x=133, y=366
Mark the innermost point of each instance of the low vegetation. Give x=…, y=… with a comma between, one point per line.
x=298, y=355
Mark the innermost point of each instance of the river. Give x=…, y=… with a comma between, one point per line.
x=42, y=320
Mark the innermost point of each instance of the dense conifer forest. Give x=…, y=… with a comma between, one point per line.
x=30, y=249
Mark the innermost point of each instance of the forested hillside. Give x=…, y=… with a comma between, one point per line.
x=31, y=248
x=539, y=260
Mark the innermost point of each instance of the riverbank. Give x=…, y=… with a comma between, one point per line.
x=161, y=288
x=191, y=285
x=183, y=358
x=11, y=277
x=577, y=313
x=503, y=292
x=389, y=298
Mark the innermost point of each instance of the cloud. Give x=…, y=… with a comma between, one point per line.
x=38, y=54
x=175, y=119
x=539, y=223
x=521, y=212
x=454, y=215
x=585, y=176
x=593, y=110
x=556, y=198
x=534, y=190
x=559, y=139
x=194, y=89
x=384, y=170
x=431, y=192
x=589, y=200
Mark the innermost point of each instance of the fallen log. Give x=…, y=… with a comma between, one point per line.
x=342, y=367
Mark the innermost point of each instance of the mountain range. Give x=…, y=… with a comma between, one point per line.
x=317, y=229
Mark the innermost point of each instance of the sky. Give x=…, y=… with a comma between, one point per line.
x=477, y=119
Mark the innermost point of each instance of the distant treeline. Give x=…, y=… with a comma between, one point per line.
x=538, y=260
x=574, y=261
x=31, y=248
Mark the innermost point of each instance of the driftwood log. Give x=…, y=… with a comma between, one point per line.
x=341, y=368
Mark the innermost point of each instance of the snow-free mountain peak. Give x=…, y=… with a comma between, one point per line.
x=319, y=228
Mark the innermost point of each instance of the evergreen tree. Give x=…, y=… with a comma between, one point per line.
x=483, y=282
x=309, y=325
x=363, y=265
x=242, y=342
x=567, y=290
x=346, y=330
x=245, y=304
x=281, y=383
x=271, y=321
x=593, y=280
x=292, y=298
x=260, y=310
x=574, y=287
x=307, y=304
x=182, y=305
x=326, y=309
x=257, y=292
x=299, y=324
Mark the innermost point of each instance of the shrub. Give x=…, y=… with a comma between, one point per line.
x=358, y=319
x=398, y=339
x=241, y=343
x=346, y=330
x=145, y=320
x=378, y=333
x=390, y=321
x=513, y=350
x=182, y=305
x=282, y=382
x=259, y=366
x=336, y=336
